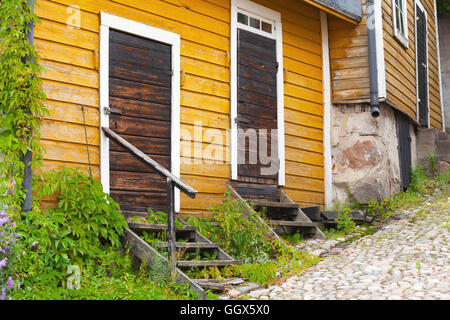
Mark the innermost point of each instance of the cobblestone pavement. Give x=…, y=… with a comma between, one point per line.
x=407, y=259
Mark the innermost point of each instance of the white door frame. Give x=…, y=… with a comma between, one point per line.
x=417, y=3
x=108, y=21
x=275, y=18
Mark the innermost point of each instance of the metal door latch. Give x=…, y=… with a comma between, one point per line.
x=109, y=110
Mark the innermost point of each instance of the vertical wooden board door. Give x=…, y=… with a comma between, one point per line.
x=140, y=111
x=404, y=148
x=422, y=65
x=256, y=105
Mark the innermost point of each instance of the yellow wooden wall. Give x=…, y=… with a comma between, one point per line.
x=70, y=56
x=349, y=62
x=401, y=64
x=350, y=70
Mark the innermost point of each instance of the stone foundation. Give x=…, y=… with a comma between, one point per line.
x=365, y=157
x=437, y=143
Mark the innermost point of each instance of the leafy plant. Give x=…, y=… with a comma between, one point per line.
x=244, y=237
x=344, y=218
x=432, y=159
x=157, y=217
x=21, y=98
x=443, y=6
x=84, y=224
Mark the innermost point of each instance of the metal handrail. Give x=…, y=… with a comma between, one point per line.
x=172, y=182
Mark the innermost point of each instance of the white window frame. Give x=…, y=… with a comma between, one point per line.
x=108, y=22
x=417, y=3
x=402, y=38
x=273, y=17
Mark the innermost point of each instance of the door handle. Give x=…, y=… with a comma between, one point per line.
x=109, y=110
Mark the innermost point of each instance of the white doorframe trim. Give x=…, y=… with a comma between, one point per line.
x=274, y=17
x=139, y=29
x=326, y=112
x=417, y=3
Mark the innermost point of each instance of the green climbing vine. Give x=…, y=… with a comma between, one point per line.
x=21, y=98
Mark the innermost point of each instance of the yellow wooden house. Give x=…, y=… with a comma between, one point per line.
x=179, y=78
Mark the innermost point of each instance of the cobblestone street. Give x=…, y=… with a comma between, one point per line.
x=406, y=259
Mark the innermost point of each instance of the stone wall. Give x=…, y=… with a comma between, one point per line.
x=365, y=159
x=444, y=48
x=436, y=143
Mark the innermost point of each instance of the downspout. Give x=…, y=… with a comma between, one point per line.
x=26, y=159
x=373, y=68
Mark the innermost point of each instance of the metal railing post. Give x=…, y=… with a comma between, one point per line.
x=171, y=228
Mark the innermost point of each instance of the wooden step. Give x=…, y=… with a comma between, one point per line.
x=186, y=245
x=257, y=191
x=206, y=263
x=273, y=204
x=157, y=227
x=333, y=215
x=287, y=223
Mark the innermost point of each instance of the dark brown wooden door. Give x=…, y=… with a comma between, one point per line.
x=422, y=66
x=257, y=104
x=140, y=103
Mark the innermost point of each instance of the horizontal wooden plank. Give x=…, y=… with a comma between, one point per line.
x=137, y=181
x=69, y=74
x=205, y=69
x=303, y=118
x=181, y=14
x=70, y=93
x=66, y=14
x=206, y=118
x=189, y=167
x=302, y=67
x=139, y=91
x=153, y=146
x=140, y=127
x=124, y=161
x=63, y=53
x=62, y=33
x=69, y=112
x=140, y=73
x=304, y=170
x=141, y=109
x=304, y=196
x=303, y=156
x=69, y=132
x=303, y=131
x=139, y=199
x=69, y=152
x=205, y=86
x=303, y=183
x=56, y=165
x=205, y=102
x=303, y=105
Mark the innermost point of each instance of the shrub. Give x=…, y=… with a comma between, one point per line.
x=244, y=237
x=344, y=219
x=85, y=223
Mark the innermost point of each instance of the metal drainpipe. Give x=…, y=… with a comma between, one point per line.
x=373, y=68
x=26, y=159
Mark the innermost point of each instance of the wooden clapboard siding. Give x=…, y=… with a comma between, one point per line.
x=71, y=57
x=350, y=69
x=401, y=64
x=349, y=63
x=433, y=69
